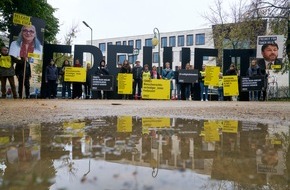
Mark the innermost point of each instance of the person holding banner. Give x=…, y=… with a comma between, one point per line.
x=168, y=74
x=27, y=42
x=154, y=73
x=7, y=71
x=203, y=88
x=23, y=74
x=66, y=86
x=231, y=71
x=126, y=68
x=102, y=70
x=77, y=86
x=187, y=85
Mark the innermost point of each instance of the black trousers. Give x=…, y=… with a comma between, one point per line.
x=26, y=85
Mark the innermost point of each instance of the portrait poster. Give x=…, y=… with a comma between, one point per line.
x=269, y=39
x=26, y=37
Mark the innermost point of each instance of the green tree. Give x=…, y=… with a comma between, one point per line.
x=35, y=8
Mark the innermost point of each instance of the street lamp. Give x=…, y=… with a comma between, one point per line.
x=91, y=39
x=155, y=42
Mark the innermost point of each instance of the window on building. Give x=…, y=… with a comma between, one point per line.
x=164, y=42
x=172, y=41
x=118, y=43
x=180, y=40
x=199, y=39
x=148, y=42
x=155, y=57
x=102, y=47
x=121, y=58
x=205, y=58
x=124, y=43
x=131, y=43
x=132, y=58
x=189, y=40
x=138, y=44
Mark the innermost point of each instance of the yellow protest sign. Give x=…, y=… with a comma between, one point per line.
x=154, y=122
x=211, y=75
x=230, y=126
x=74, y=129
x=124, y=124
x=125, y=83
x=276, y=66
x=34, y=55
x=231, y=85
x=211, y=131
x=4, y=140
x=75, y=74
x=156, y=89
x=5, y=61
x=21, y=19
x=276, y=141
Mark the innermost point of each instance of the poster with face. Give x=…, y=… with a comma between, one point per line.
x=26, y=38
x=263, y=41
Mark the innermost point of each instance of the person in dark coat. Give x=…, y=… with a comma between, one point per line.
x=77, y=86
x=102, y=70
x=51, y=76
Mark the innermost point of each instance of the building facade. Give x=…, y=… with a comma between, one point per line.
x=199, y=38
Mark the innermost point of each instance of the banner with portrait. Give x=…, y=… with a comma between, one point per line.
x=26, y=38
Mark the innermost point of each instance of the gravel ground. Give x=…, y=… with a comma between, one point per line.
x=19, y=112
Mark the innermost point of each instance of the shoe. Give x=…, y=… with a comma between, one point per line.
x=201, y=100
x=206, y=100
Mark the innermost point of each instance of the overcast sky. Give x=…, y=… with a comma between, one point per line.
x=118, y=18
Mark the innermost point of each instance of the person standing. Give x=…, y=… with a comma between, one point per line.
x=146, y=75
x=231, y=71
x=187, y=85
x=137, y=79
x=51, y=76
x=87, y=84
x=23, y=74
x=77, y=86
x=203, y=88
x=221, y=87
x=7, y=71
x=66, y=86
x=102, y=70
x=126, y=68
x=154, y=74
x=253, y=70
x=177, y=84
x=168, y=74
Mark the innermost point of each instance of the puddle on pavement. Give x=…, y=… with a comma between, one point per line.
x=145, y=153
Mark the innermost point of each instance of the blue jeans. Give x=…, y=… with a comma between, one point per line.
x=203, y=89
x=187, y=91
x=220, y=94
x=178, y=91
x=66, y=87
x=253, y=95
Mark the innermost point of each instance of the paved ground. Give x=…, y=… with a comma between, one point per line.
x=17, y=112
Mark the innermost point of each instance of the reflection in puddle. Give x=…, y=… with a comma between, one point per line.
x=145, y=153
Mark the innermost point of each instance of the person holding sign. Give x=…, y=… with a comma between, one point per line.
x=26, y=43
x=146, y=75
x=253, y=70
x=66, y=86
x=7, y=71
x=126, y=68
x=203, y=88
x=231, y=71
x=77, y=86
x=154, y=73
x=102, y=70
x=187, y=85
x=168, y=74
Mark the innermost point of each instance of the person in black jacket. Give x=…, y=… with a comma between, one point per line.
x=137, y=79
x=102, y=70
x=20, y=69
